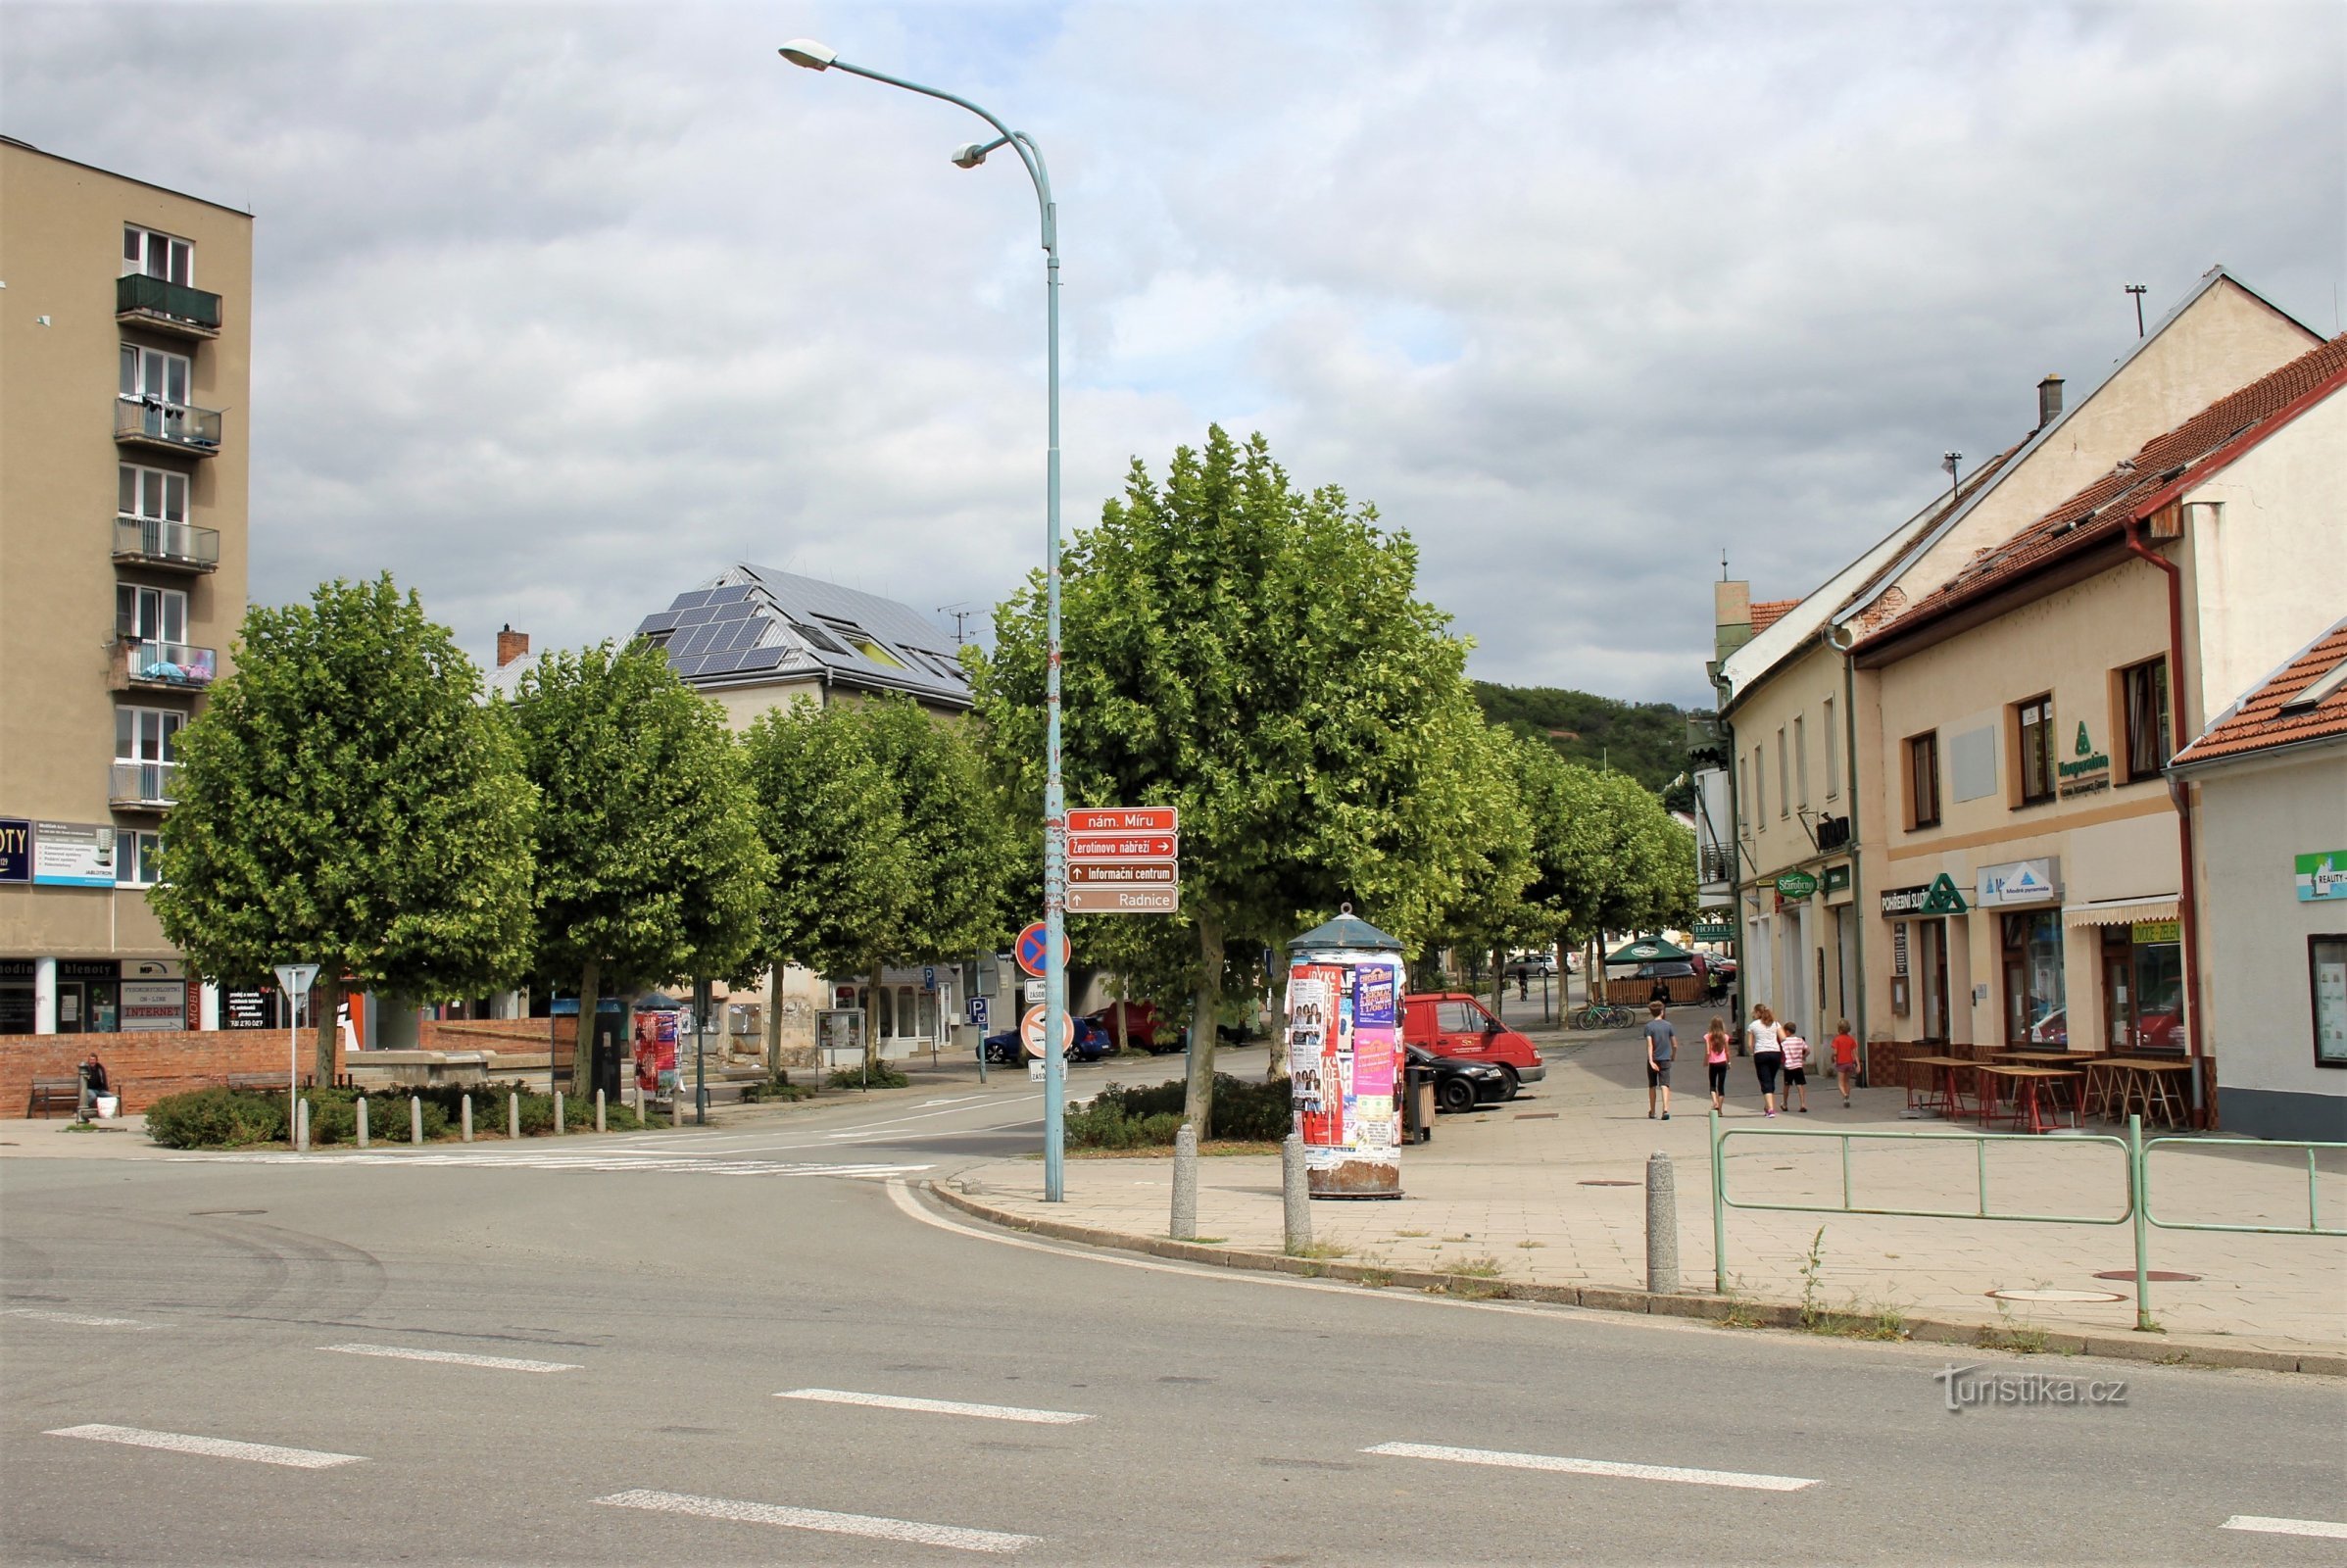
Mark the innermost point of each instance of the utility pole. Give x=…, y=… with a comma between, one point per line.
x=2137, y=289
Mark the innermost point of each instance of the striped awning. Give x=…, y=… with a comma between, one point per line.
x=2119, y=911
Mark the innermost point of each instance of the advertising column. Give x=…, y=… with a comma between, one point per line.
x=1344, y=1044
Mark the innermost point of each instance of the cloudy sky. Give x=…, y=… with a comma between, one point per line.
x=560, y=309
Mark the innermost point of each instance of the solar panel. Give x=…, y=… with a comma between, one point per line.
x=689, y=601
x=762, y=659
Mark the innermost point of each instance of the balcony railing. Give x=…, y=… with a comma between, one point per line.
x=158, y=542
x=151, y=422
x=1715, y=867
x=166, y=306
x=174, y=664
x=148, y=784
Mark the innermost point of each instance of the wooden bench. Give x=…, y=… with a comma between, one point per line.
x=53, y=1093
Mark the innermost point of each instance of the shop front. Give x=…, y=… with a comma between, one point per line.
x=1922, y=977
x=2139, y=971
x=2024, y=899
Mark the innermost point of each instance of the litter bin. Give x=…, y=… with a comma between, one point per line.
x=605, y=1065
x=1417, y=1097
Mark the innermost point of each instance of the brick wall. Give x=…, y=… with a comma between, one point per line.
x=526, y=1036
x=145, y=1066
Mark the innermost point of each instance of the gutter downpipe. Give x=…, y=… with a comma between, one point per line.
x=1834, y=633
x=2179, y=796
x=1736, y=861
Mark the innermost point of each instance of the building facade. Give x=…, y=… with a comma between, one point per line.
x=124, y=382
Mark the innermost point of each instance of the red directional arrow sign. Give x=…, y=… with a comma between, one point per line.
x=1125, y=819
x=1122, y=845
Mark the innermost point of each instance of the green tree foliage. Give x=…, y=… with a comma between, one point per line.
x=1606, y=855
x=1256, y=655
x=1646, y=740
x=344, y=799
x=651, y=868
x=888, y=845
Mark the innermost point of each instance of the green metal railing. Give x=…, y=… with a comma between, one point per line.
x=135, y=291
x=2136, y=1214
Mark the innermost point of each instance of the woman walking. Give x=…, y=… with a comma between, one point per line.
x=1715, y=1060
x=1768, y=1052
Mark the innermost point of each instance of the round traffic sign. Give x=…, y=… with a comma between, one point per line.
x=1030, y=1030
x=1033, y=944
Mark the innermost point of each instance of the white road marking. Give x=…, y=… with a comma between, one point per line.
x=211, y=1447
x=1594, y=1467
x=85, y=1319
x=2321, y=1528
x=870, y=1526
x=502, y=1363
x=893, y=1402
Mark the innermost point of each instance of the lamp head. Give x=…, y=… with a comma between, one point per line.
x=969, y=155
x=809, y=53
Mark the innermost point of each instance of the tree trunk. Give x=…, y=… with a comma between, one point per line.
x=1275, y=1067
x=582, y=1039
x=1499, y=982
x=871, y=1016
x=1198, y=1098
x=327, y=998
x=774, y=1019
x=1124, y=1004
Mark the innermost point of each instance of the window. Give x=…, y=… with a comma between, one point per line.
x=2143, y=987
x=158, y=254
x=1460, y=1018
x=1923, y=780
x=2327, y=973
x=1760, y=805
x=150, y=375
x=153, y=494
x=147, y=734
x=2036, y=722
x=1800, y=764
x=1833, y=754
x=2034, y=1015
x=150, y=614
x=2143, y=691
x=138, y=857
x=1784, y=793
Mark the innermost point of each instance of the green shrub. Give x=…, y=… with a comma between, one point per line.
x=881, y=1077
x=778, y=1087
x=217, y=1118
x=1148, y=1117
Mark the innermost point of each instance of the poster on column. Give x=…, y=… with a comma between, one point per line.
x=656, y=1052
x=1369, y=1117
x=1312, y=991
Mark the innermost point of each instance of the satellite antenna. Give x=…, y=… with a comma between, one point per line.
x=960, y=616
x=2137, y=289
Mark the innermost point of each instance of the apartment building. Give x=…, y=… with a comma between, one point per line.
x=124, y=381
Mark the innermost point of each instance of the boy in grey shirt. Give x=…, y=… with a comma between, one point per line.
x=1662, y=1043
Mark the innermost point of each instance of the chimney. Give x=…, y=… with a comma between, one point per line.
x=2049, y=401
x=510, y=645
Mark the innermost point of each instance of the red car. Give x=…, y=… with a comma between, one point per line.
x=1141, y=1026
x=1452, y=1023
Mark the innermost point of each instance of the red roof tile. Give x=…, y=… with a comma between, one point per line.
x=1766, y=612
x=2167, y=465
x=2270, y=716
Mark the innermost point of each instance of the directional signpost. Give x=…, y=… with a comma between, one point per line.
x=1124, y=860
x=295, y=980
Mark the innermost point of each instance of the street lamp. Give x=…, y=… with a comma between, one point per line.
x=808, y=52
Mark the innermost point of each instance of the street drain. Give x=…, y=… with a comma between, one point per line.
x=2056, y=1295
x=1608, y=1182
x=2160, y=1275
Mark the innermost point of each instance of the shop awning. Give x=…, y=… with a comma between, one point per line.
x=2119, y=911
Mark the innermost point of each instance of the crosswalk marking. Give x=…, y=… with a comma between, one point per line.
x=869, y=1525
x=618, y=1162
x=85, y=1319
x=210, y=1447
x=1594, y=1467
x=502, y=1363
x=2324, y=1528
x=896, y=1401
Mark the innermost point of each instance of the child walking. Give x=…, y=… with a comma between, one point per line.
x=1796, y=1067
x=1845, y=1061
x=1715, y=1060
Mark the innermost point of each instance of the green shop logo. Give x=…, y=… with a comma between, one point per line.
x=2086, y=762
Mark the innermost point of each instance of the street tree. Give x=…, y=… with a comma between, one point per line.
x=344, y=799
x=651, y=868
x=1256, y=655
x=1607, y=857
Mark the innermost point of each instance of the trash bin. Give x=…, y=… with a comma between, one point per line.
x=609, y=1046
x=1417, y=1104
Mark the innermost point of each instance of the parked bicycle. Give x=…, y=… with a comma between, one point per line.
x=1603, y=1015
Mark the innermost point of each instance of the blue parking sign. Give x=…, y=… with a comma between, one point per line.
x=978, y=1011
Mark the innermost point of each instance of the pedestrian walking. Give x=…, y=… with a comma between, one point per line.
x=1659, y=994
x=1796, y=1065
x=1662, y=1044
x=1845, y=1061
x=1715, y=1060
x=1768, y=1052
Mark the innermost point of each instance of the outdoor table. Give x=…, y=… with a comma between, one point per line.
x=1950, y=1100
x=2026, y=1082
x=2149, y=1081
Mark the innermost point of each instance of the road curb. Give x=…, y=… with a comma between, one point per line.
x=1728, y=1312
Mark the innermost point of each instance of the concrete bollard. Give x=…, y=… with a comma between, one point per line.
x=514, y=1114
x=1296, y=1193
x=361, y=1113
x=415, y=1119
x=638, y=1086
x=301, y=1126
x=1662, y=1225
x=676, y=1106
x=1185, y=1184
x=599, y=1111
x=465, y=1106
x=558, y=1112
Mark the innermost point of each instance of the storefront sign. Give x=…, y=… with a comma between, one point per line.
x=2148, y=932
x=2087, y=769
x=1796, y=884
x=1837, y=879
x=73, y=854
x=2323, y=875
x=1940, y=897
x=2021, y=882
x=248, y=1009
x=1905, y=900
x=88, y=970
x=1713, y=931
x=154, y=1005
x=1898, y=949
x=15, y=850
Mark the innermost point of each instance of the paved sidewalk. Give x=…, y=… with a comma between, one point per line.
x=1548, y=1188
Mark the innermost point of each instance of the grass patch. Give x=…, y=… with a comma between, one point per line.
x=1218, y=1148
x=1478, y=1268
x=1413, y=1233
x=1318, y=1249
x=1527, y=1243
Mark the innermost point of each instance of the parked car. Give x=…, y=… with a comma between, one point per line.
x=1452, y=1023
x=1140, y=1027
x=1460, y=1084
x=1091, y=1044
x=1531, y=963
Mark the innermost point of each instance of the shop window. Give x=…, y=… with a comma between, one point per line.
x=1923, y=780
x=2143, y=986
x=2034, y=721
x=2034, y=1015
x=2327, y=973
x=2143, y=691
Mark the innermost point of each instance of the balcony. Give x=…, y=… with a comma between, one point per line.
x=169, y=546
x=1715, y=867
x=163, y=305
x=142, y=786
x=165, y=426
x=146, y=666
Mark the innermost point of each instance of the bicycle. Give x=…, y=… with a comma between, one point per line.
x=1603, y=1015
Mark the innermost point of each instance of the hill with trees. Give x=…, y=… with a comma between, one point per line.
x=1646, y=740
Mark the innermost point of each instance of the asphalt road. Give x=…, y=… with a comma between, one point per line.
x=356, y=1323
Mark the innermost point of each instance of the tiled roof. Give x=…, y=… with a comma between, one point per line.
x=2274, y=711
x=1766, y=612
x=2166, y=467
x=754, y=625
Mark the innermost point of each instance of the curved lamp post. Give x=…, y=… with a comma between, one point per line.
x=818, y=56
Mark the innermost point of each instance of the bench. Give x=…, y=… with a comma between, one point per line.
x=53, y=1093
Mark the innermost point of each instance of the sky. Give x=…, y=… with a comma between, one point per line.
x=559, y=310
